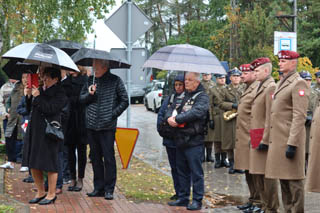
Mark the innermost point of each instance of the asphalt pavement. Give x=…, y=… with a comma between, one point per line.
x=232, y=188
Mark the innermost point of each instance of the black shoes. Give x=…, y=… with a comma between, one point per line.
x=245, y=206
x=179, y=202
x=253, y=209
x=174, y=197
x=224, y=162
x=47, y=202
x=108, y=196
x=37, y=199
x=195, y=205
x=96, y=193
x=218, y=161
x=209, y=157
x=28, y=179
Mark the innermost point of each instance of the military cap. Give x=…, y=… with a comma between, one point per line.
x=235, y=71
x=245, y=67
x=259, y=61
x=305, y=75
x=317, y=74
x=288, y=54
x=220, y=75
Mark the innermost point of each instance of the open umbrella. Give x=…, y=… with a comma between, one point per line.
x=38, y=53
x=70, y=47
x=185, y=57
x=14, y=69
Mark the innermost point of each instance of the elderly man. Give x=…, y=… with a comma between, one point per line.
x=189, y=120
x=260, y=116
x=241, y=152
x=286, y=154
x=105, y=101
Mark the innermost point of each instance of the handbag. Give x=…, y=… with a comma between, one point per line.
x=54, y=131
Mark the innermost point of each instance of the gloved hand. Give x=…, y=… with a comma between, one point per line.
x=291, y=151
x=262, y=147
x=234, y=106
x=308, y=120
x=211, y=124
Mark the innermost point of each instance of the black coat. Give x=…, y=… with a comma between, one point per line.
x=40, y=152
x=106, y=105
x=76, y=128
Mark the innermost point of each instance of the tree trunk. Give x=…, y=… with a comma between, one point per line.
x=162, y=24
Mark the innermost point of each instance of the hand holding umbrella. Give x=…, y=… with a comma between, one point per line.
x=92, y=89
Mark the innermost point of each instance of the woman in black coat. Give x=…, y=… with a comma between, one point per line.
x=40, y=152
x=76, y=137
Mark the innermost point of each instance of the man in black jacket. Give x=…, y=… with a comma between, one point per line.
x=189, y=119
x=105, y=100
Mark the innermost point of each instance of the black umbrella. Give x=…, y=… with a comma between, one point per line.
x=14, y=69
x=70, y=47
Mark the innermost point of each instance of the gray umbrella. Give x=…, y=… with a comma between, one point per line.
x=70, y=47
x=185, y=57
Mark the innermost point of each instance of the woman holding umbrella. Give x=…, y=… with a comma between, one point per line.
x=41, y=152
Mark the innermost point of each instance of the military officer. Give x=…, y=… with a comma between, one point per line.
x=316, y=86
x=260, y=116
x=217, y=114
x=241, y=151
x=208, y=84
x=229, y=103
x=313, y=98
x=286, y=153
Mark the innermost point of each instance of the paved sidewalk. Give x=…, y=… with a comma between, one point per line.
x=78, y=201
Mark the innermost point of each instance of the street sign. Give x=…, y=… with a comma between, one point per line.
x=118, y=22
x=285, y=41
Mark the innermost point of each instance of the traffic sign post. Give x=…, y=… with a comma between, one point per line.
x=285, y=41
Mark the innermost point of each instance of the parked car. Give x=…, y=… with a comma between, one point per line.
x=153, y=98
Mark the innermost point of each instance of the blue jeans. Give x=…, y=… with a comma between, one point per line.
x=173, y=164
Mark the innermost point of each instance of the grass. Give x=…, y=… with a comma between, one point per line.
x=6, y=209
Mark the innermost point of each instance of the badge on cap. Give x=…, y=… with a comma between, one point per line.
x=301, y=92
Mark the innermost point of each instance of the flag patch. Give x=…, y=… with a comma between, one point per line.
x=301, y=92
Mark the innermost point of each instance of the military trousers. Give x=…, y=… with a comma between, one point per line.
x=217, y=147
x=254, y=194
x=268, y=191
x=292, y=195
x=208, y=144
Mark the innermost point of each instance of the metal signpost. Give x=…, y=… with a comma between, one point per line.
x=121, y=22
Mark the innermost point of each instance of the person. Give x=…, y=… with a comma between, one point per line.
x=189, y=121
x=316, y=86
x=286, y=152
x=105, y=100
x=76, y=134
x=208, y=84
x=229, y=102
x=241, y=151
x=168, y=142
x=217, y=115
x=260, y=116
x=40, y=152
x=13, y=131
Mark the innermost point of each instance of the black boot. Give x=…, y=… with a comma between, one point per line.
x=224, y=162
x=218, y=161
x=231, y=170
x=209, y=157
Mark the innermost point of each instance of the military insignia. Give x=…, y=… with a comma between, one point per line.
x=272, y=96
x=301, y=92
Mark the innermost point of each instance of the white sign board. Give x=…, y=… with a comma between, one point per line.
x=284, y=41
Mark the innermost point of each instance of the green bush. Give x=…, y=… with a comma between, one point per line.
x=2, y=149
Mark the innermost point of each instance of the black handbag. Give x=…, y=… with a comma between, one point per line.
x=54, y=131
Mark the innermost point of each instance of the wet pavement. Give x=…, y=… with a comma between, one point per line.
x=232, y=188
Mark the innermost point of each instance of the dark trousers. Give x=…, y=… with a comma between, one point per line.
x=11, y=146
x=82, y=160
x=254, y=193
x=65, y=164
x=189, y=167
x=173, y=164
x=292, y=195
x=104, y=171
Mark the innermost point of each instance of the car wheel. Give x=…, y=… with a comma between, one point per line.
x=146, y=104
x=155, y=106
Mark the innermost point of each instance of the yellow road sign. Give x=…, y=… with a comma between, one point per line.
x=126, y=139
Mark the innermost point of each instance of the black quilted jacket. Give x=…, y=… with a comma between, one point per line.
x=106, y=105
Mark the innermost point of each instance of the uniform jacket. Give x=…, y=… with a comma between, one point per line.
x=229, y=96
x=241, y=152
x=208, y=85
x=313, y=172
x=260, y=118
x=107, y=104
x=4, y=95
x=313, y=98
x=288, y=116
x=216, y=113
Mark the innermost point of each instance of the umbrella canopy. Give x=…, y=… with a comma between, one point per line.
x=70, y=47
x=14, y=69
x=85, y=56
x=37, y=53
x=185, y=57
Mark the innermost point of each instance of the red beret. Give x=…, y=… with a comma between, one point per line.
x=259, y=61
x=288, y=54
x=245, y=67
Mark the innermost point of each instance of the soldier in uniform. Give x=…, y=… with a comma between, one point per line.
x=241, y=151
x=286, y=153
x=229, y=102
x=208, y=84
x=316, y=86
x=313, y=98
x=260, y=116
x=217, y=114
